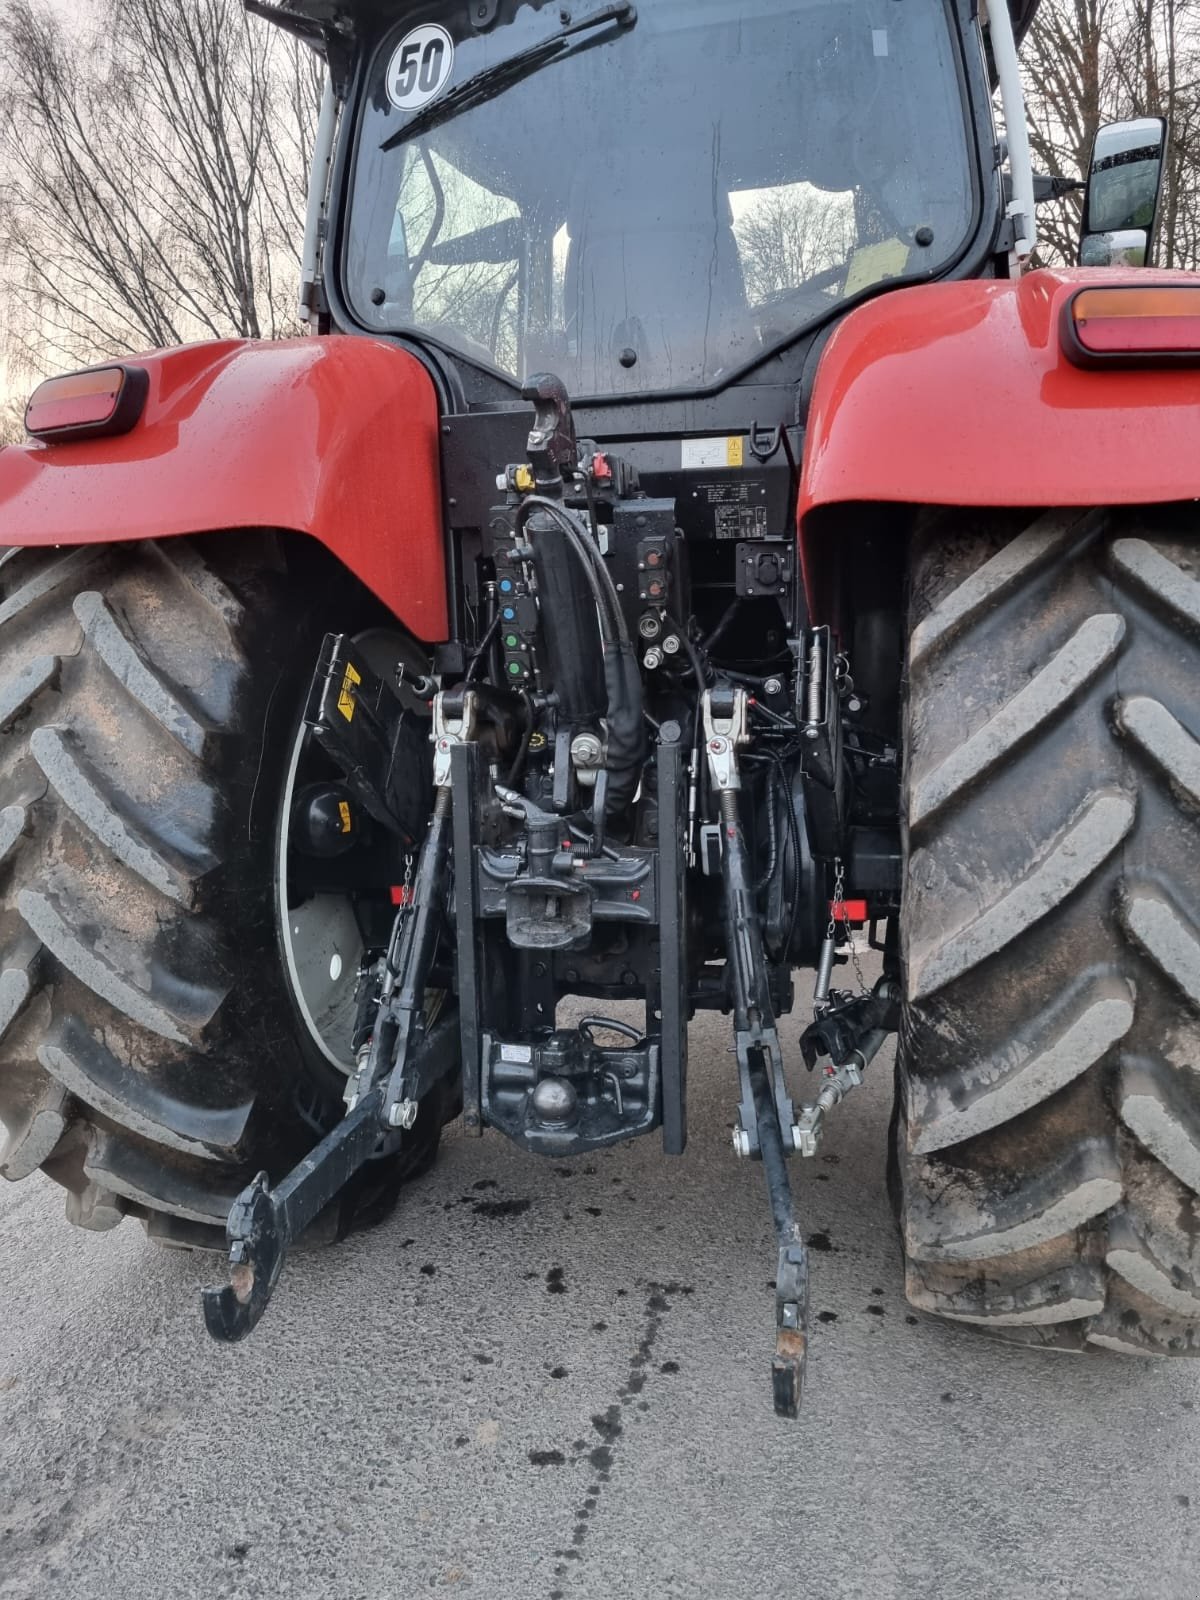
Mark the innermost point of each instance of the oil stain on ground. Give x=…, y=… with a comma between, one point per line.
x=500, y=1208
x=609, y=1426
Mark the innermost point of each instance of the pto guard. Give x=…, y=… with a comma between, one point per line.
x=334, y=437
x=961, y=394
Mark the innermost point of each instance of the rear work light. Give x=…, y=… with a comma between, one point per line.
x=82, y=405
x=1132, y=326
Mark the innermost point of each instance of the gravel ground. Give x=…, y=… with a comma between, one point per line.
x=446, y=1403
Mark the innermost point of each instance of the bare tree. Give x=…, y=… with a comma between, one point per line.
x=156, y=175
x=1094, y=61
x=788, y=236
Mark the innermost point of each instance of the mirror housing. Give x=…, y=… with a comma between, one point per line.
x=1122, y=194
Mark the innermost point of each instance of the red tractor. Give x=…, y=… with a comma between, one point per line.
x=690, y=535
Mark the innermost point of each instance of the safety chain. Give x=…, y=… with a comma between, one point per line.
x=836, y=905
x=406, y=888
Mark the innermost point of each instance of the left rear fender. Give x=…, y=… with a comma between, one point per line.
x=334, y=437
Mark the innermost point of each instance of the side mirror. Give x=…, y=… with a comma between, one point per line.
x=1124, y=186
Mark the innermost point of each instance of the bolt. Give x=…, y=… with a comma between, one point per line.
x=586, y=750
x=402, y=1114
x=652, y=658
x=741, y=1142
x=671, y=644
x=773, y=686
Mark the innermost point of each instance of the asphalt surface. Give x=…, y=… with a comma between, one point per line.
x=445, y=1405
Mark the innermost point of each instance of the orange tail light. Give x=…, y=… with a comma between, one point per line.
x=1132, y=326
x=81, y=405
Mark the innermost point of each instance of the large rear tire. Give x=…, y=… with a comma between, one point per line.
x=1048, y=1130
x=153, y=1053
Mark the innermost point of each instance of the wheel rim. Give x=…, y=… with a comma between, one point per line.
x=320, y=935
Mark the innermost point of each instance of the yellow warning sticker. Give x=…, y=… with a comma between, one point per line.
x=724, y=452
x=344, y=813
x=346, y=693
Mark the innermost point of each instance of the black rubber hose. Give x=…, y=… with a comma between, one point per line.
x=584, y=546
x=793, y=829
x=723, y=625
x=768, y=872
x=622, y=675
x=482, y=648
x=626, y=727
x=517, y=771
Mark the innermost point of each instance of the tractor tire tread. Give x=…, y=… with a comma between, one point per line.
x=1047, y=1149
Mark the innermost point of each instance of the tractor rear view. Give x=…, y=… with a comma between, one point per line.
x=691, y=547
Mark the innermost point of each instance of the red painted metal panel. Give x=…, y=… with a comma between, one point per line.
x=334, y=437
x=960, y=394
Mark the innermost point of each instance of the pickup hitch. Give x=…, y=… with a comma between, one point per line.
x=403, y=1062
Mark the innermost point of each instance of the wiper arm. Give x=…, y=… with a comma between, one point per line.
x=502, y=75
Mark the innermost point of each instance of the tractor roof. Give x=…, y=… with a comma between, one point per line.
x=312, y=20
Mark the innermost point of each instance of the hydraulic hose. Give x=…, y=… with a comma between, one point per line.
x=622, y=676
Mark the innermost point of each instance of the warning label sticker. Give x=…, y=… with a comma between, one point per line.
x=345, y=700
x=727, y=452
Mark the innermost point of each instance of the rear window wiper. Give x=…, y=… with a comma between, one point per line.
x=502, y=75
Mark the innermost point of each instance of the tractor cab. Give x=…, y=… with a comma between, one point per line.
x=653, y=200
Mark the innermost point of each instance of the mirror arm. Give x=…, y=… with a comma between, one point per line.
x=1047, y=188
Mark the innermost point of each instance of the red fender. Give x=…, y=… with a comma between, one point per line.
x=960, y=394
x=334, y=437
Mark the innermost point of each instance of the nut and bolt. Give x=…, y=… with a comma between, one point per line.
x=403, y=1114
x=671, y=644
x=773, y=686
x=649, y=626
x=652, y=658
x=586, y=750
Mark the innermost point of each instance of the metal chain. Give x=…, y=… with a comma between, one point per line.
x=406, y=891
x=839, y=898
x=838, y=905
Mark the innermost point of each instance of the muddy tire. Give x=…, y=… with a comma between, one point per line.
x=1047, y=1150
x=152, y=1057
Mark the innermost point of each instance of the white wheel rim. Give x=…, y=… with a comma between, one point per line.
x=322, y=944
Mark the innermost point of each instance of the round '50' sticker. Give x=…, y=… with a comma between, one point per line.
x=420, y=67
